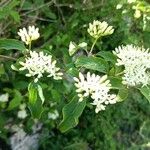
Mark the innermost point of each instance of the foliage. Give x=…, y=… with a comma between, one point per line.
x=124, y=125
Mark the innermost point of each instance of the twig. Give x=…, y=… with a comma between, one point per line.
x=60, y=11
x=79, y=8
x=5, y=27
x=7, y=57
x=120, y=73
x=4, y=3
x=93, y=46
x=21, y=5
x=39, y=18
x=28, y=12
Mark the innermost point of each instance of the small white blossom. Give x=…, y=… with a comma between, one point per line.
x=131, y=1
x=136, y=62
x=137, y=13
x=124, y=11
x=102, y=101
x=39, y=63
x=4, y=97
x=22, y=114
x=29, y=35
x=97, y=88
x=53, y=115
x=98, y=29
x=119, y=6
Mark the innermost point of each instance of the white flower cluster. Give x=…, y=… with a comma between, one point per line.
x=29, y=35
x=39, y=63
x=136, y=62
x=98, y=29
x=97, y=87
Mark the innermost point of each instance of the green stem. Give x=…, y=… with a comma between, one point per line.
x=120, y=73
x=29, y=46
x=86, y=51
x=93, y=46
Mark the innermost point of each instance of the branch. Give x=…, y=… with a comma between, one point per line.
x=8, y=57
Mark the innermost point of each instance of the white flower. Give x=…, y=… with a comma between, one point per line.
x=136, y=62
x=136, y=76
x=98, y=29
x=39, y=63
x=53, y=115
x=131, y=1
x=119, y=6
x=4, y=97
x=137, y=13
x=130, y=54
x=103, y=100
x=29, y=35
x=124, y=11
x=22, y=114
x=97, y=88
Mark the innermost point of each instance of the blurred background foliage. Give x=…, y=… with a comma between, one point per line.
x=125, y=125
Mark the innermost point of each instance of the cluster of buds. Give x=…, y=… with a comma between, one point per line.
x=98, y=29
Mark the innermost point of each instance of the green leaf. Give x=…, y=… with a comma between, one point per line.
x=108, y=56
x=73, y=48
x=116, y=83
x=72, y=71
x=55, y=95
x=122, y=95
x=77, y=146
x=146, y=92
x=93, y=63
x=15, y=15
x=10, y=44
x=71, y=113
x=12, y=4
x=36, y=109
x=5, y=11
x=33, y=91
x=21, y=85
x=3, y=120
x=40, y=92
x=145, y=129
x=16, y=101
